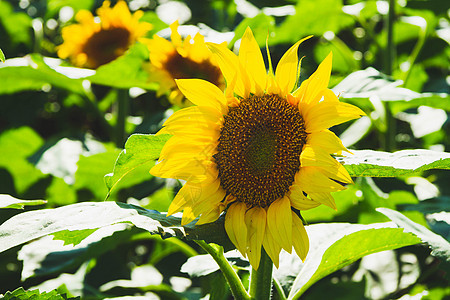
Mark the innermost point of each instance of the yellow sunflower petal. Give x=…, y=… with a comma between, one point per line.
x=255, y=220
x=230, y=66
x=324, y=198
x=252, y=60
x=203, y=93
x=272, y=248
x=175, y=36
x=337, y=172
x=318, y=81
x=299, y=200
x=279, y=222
x=326, y=140
x=327, y=114
x=209, y=216
x=286, y=72
x=316, y=157
x=311, y=180
x=188, y=216
x=300, y=238
x=235, y=226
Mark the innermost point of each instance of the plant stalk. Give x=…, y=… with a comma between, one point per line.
x=389, y=144
x=234, y=282
x=122, y=113
x=261, y=279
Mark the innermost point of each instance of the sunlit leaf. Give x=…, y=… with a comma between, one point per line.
x=7, y=201
x=73, y=237
x=20, y=293
x=126, y=71
x=32, y=73
x=310, y=19
x=334, y=246
x=2, y=56
x=384, y=164
x=47, y=255
x=440, y=247
x=16, y=145
x=27, y=226
x=140, y=150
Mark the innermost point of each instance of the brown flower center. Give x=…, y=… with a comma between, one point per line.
x=259, y=149
x=106, y=45
x=180, y=67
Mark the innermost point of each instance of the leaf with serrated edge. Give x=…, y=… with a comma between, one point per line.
x=140, y=149
x=400, y=163
x=439, y=246
x=7, y=201
x=27, y=226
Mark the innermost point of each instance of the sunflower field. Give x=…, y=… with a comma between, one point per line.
x=220, y=149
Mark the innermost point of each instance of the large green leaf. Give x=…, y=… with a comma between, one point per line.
x=140, y=150
x=440, y=247
x=33, y=73
x=2, y=56
x=360, y=86
x=46, y=256
x=28, y=226
x=383, y=164
x=126, y=71
x=21, y=294
x=7, y=201
x=309, y=19
x=16, y=145
x=334, y=246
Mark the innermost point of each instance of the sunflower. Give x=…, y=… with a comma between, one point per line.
x=181, y=59
x=93, y=43
x=261, y=150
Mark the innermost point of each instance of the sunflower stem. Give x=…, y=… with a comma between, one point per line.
x=234, y=282
x=389, y=144
x=261, y=279
x=122, y=113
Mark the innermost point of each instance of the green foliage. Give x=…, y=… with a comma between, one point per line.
x=140, y=151
x=383, y=164
x=21, y=294
x=61, y=139
x=6, y=201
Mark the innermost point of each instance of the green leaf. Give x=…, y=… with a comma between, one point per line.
x=305, y=21
x=383, y=164
x=140, y=150
x=2, y=56
x=126, y=71
x=260, y=25
x=7, y=201
x=21, y=294
x=440, y=247
x=33, y=73
x=91, y=170
x=73, y=236
x=28, y=226
x=334, y=246
x=45, y=256
x=16, y=145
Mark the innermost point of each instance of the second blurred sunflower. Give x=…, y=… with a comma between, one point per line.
x=181, y=59
x=97, y=41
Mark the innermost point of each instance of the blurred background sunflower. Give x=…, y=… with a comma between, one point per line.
x=96, y=41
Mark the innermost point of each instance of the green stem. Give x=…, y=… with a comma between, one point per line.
x=91, y=105
x=261, y=279
x=412, y=58
x=123, y=103
x=388, y=68
x=235, y=283
x=279, y=289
